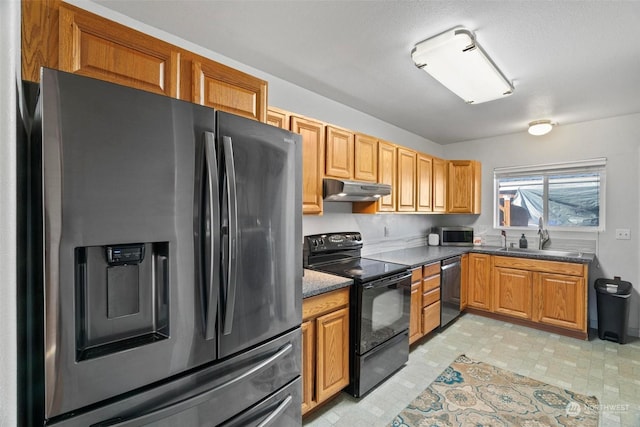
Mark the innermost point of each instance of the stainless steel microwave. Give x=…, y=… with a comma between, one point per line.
x=455, y=236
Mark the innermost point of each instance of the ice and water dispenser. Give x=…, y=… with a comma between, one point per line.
x=122, y=297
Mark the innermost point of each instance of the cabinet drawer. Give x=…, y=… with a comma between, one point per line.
x=416, y=274
x=430, y=297
x=430, y=283
x=431, y=269
x=321, y=304
x=431, y=317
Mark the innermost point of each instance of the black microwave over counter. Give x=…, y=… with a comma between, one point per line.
x=455, y=236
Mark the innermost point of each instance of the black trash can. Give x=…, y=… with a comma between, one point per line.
x=613, y=308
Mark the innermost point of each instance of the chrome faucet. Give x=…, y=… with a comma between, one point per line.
x=544, y=234
x=504, y=234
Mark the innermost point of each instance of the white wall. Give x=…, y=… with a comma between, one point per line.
x=617, y=139
x=9, y=76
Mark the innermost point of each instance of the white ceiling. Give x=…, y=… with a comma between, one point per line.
x=570, y=61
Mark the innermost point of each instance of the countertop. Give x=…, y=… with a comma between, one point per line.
x=316, y=283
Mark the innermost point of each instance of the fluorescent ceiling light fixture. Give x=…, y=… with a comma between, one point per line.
x=456, y=60
x=540, y=127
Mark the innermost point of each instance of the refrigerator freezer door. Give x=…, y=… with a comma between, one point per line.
x=254, y=387
x=118, y=169
x=261, y=232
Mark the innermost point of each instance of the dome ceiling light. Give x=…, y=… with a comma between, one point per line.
x=540, y=127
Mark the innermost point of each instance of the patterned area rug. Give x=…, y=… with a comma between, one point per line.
x=470, y=393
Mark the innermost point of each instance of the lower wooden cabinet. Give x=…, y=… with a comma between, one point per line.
x=479, y=291
x=512, y=292
x=325, y=347
x=464, y=281
x=549, y=295
x=560, y=300
x=425, y=301
x=415, y=317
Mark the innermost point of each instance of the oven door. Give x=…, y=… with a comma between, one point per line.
x=381, y=311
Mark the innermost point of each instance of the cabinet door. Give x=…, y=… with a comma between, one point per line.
x=332, y=353
x=308, y=363
x=424, y=183
x=278, y=118
x=415, y=316
x=464, y=281
x=406, y=180
x=96, y=47
x=365, y=158
x=513, y=289
x=439, y=185
x=480, y=291
x=387, y=174
x=339, y=153
x=464, y=186
x=221, y=87
x=559, y=300
x=312, y=162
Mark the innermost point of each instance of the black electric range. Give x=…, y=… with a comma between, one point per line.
x=339, y=254
x=379, y=306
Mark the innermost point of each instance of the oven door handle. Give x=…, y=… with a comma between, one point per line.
x=386, y=281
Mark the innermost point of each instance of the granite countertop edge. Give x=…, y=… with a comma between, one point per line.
x=317, y=283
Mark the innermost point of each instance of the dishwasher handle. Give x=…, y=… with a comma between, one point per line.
x=450, y=263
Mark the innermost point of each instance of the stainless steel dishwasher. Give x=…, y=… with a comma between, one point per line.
x=449, y=290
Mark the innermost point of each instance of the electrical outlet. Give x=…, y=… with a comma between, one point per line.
x=623, y=234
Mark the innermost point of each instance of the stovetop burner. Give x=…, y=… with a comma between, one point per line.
x=339, y=253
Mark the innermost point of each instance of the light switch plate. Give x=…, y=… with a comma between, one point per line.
x=623, y=234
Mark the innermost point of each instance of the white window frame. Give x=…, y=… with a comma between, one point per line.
x=545, y=170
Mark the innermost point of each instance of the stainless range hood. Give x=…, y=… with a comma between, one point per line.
x=337, y=190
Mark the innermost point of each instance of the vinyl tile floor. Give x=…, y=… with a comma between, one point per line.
x=607, y=370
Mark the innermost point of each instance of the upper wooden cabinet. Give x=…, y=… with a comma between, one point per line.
x=464, y=186
x=61, y=36
x=312, y=162
x=365, y=158
x=406, y=180
x=439, y=185
x=387, y=175
x=98, y=48
x=339, y=153
x=278, y=118
x=424, y=183
x=224, y=88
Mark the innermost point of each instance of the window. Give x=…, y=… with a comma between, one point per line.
x=566, y=196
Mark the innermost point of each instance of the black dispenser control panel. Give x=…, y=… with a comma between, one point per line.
x=125, y=254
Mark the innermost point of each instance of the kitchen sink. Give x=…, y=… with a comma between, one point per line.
x=549, y=252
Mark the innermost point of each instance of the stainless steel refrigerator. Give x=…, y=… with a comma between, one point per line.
x=162, y=284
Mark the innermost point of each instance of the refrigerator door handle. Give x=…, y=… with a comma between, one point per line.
x=273, y=416
x=232, y=203
x=212, y=281
x=198, y=399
